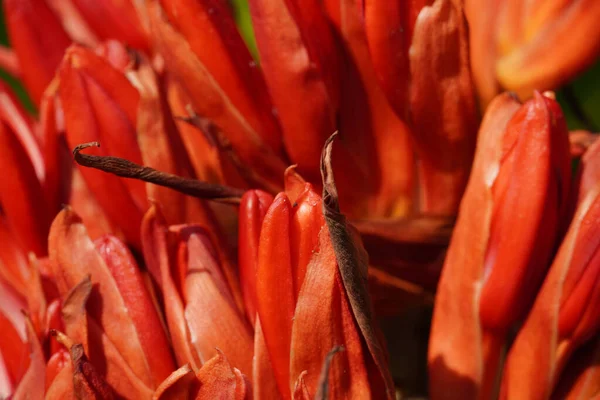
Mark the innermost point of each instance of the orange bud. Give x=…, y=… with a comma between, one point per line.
x=566, y=313
x=501, y=247
x=39, y=41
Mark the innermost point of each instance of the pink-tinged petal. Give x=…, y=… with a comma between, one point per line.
x=219, y=380
x=139, y=305
x=296, y=84
x=209, y=29
x=114, y=19
x=275, y=288
x=74, y=257
x=253, y=207
x=21, y=195
x=263, y=164
x=442, y=105
x=213, y=318
x=156, y=255
x=32, y=384
x=39, y=41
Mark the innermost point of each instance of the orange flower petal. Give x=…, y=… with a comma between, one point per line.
x=275, y=288
x=253, y=208
x=213, y=319
x=442, y=105
x=296, y=84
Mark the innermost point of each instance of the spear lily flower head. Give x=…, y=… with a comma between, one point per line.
x=170, y=227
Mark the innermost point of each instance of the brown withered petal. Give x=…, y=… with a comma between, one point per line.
x=352, y=262
x=87, y=384
x=74, y=313
x=127, y=169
